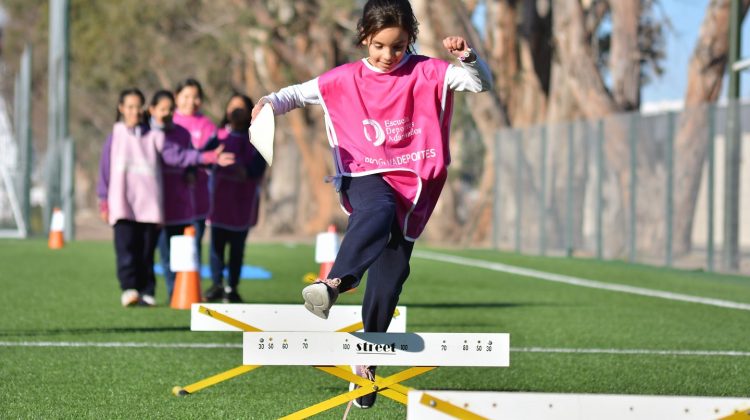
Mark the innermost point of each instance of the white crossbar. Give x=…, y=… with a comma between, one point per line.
x=521, y=406
x=284, y=317
x=380, y=349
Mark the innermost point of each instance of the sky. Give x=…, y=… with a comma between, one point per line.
x=686, y=17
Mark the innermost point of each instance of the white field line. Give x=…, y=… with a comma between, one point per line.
x=576, y=281
x=119, y=344
x=116, y=344
x=709, y=353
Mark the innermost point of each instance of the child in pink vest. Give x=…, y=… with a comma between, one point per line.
x=235, y=198
x=388, y=119
x=189, y=98
x=130, y=193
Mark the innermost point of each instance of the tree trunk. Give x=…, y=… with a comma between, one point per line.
x=289, y=45
x=624, y=54
x=574, y=52
x=486, y=108
x=585, y=83
x=705, y=73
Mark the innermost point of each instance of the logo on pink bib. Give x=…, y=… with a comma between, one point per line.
x=379, y=133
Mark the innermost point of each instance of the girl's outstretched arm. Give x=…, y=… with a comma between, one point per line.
x=175, y=155
x=472, y=75
x=290, y=97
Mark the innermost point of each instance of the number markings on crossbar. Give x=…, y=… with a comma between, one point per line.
x=382, y=349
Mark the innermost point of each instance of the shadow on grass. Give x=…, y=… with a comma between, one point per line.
x=85, y=331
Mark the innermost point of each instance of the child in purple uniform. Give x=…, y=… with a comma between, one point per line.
x=130, y=193
x=235, y=199
x=177, y=181
x=217, y=290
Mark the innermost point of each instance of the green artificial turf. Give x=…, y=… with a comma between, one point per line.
x=71, y=295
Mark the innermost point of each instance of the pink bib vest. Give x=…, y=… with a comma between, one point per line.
x=395, y=124
x=135, y=189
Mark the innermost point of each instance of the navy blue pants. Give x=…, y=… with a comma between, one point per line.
x=200, y=229
x=164, y=248
x=220, y=238
x=373, y=243
x=135, y=244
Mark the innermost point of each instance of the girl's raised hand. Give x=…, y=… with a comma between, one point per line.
x=217, y=157
x=456, y=45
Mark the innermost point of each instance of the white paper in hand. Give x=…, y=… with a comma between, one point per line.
x=262, y=131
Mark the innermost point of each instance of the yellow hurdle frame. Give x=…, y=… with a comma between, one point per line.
x=389, y=387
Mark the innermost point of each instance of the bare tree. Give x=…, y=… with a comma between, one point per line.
x=705, y=73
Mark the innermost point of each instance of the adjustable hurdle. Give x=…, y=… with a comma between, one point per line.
x=325, y=350
x=522, y=405
x=255, y=317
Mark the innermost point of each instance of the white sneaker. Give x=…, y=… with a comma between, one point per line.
x=320, y=296
x=129, y=297
x=148, y=300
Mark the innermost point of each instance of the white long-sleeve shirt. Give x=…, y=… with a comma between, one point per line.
x=468, y=77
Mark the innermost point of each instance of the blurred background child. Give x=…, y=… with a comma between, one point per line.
x=179, y=210
x=216, y=291
x=234, y=205
x=130, y=193
x=237, y=100
x=188, y=99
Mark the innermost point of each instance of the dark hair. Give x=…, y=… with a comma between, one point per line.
x=189, y=82
x=124, y=94
x=161, y=94
x=381, y=14
x=158, y=96
x=240, y=119
x=248, y=104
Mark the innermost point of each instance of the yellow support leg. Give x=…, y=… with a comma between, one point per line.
x=228, y=319
x=379, y=385
x=743, y=414
x=221, y=377
x=213, y=380
x=448, y=408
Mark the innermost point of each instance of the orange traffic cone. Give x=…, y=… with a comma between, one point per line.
x=56, y=238
x=187, y=284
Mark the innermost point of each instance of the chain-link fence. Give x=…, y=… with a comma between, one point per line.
x=644, y=188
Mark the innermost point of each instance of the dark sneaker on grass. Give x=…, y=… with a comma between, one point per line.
x=214, y=293
x=231, y=296
x=367, y=372
x=320, y=296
